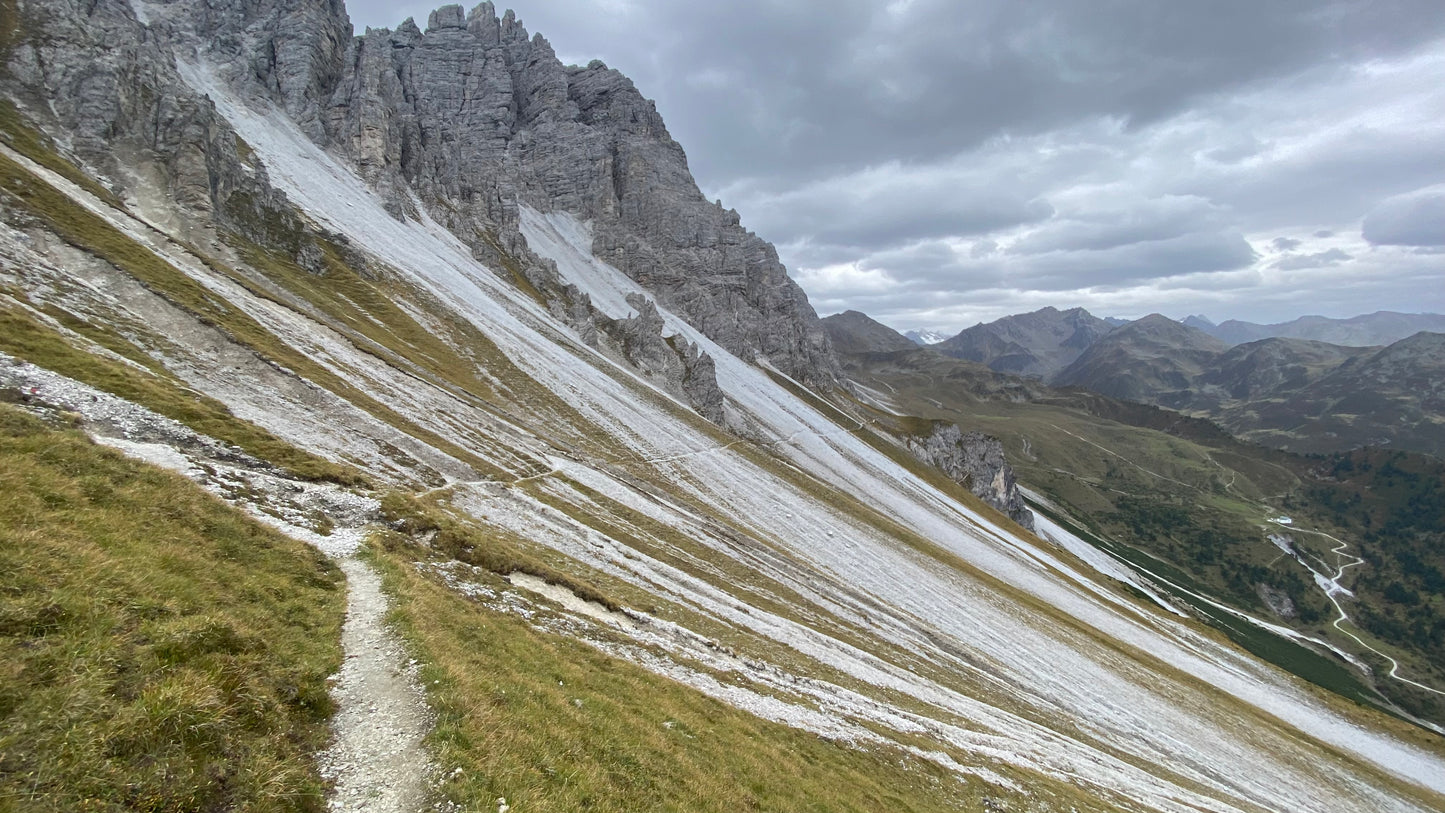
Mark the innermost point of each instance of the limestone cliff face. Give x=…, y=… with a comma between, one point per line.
x=977, y=461
x=91, y=71
x=476, y=116
x=467, y=120
x=473, y=116
x=291, y=48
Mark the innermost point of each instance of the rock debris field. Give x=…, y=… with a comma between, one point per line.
x=376, y=761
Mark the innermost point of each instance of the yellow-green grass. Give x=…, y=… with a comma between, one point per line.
x=20, y=136
x=29, y=338
x=88, y=232
x=464, y=541
x=159, y=651
x=550, y=723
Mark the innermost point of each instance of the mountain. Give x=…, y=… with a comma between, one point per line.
x=1146, y=360
x=1272, y=366
x=854, y=332
x=1037, y=344
x=1200, y=322
x=925, y=337
x=456, y=316
x=1293, y=394
x=1392, y=397
x=1171, y=494
x=1379, y=328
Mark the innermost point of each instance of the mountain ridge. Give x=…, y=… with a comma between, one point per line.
x=488, y=414
x=1143, y=359
x=856, y=332
x=1365, y=330
x=1037, y=344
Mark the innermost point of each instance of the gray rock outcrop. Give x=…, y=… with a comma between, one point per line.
x=91, y=70
x=470, y=118
x=474, y=116
x=672, y=363
x=974, y=460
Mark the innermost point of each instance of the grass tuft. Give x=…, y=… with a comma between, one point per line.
x=159, y=651
x=465, y=542
x=550, y=723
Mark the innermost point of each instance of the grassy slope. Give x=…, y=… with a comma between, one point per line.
x=550, y=723
x=158, y=650
x=610, y=777
x=25, y=336
x=90, y=233
x=1188, y=502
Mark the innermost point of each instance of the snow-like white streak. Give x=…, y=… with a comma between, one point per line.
x=1101, y=562
x=1096, y=680
x=138, y=7
x=816, y=445
x=876, y=399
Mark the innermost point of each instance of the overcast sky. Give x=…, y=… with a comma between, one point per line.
x=937, y=163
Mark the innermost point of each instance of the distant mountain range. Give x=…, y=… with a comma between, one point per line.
x=1293, y=392
x=1042, y=343
x=1369, y=330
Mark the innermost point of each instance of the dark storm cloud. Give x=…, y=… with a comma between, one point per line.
x=1097, y=228
x=1193, y=253
x=785, y=89
x=874, y=216
x=1121, y=155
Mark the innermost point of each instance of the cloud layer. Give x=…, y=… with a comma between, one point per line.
x=936, y=163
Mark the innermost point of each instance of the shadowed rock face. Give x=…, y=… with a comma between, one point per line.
x=977, y=461
x=465, y=120
x=853, y=332
x=1036, y=345
x=474, y=117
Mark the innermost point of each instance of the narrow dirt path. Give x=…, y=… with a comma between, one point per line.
x=376, y=760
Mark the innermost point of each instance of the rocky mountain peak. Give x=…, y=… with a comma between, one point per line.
x=521, y=128
x=465, y=122
x=447, y=17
